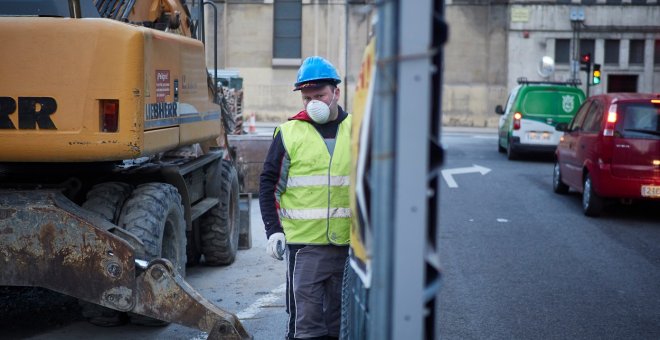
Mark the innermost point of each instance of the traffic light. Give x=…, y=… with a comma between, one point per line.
x=585, y=62
x=596, y=74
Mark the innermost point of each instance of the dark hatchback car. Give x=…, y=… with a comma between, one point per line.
x=611, y=149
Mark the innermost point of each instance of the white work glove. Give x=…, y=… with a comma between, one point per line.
x=275, y=246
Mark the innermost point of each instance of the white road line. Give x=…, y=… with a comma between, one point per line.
x=201, y=336
x=254, y=308
x=265, y=300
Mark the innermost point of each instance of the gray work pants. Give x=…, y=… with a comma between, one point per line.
x=313, y=296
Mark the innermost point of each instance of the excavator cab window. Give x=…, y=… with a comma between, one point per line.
x=46, y=8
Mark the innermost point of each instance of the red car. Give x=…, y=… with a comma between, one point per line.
x=611, y=149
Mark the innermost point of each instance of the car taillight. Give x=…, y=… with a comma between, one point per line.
x=608, y=132
x=610, y=123
x=516, y=120
x=109, y=119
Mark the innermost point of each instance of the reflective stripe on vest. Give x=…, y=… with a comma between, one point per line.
x=315, y=214
x=314, y=202
x=305, y=181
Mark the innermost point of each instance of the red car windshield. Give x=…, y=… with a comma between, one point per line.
x=639, y=120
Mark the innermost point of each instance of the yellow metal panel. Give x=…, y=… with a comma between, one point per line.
x=200, y=131
x=74, y=63
x=68, y=65
x=161, y=139
x=182, y=60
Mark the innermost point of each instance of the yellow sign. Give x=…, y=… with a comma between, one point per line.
x=519, y=14
x=361, y=228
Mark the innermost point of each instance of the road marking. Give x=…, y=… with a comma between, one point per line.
x=254, y=308
x=201, y=336
x=448, y=173
x=502, y=220
x=263, y=301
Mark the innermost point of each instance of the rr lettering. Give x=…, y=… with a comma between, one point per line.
x=33, y=112
x=7, y=107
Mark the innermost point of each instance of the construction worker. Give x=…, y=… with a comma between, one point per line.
x=304, y=201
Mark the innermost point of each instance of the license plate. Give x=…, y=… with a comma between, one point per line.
x=650, y=190
x=538, y=135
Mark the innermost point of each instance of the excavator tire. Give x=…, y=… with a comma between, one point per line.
x=105, y=199
x=154, y=214
x=220, y=226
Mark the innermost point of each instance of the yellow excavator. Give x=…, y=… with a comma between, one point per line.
x=115, y=170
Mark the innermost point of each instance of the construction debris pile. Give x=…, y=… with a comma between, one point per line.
x=231, y=87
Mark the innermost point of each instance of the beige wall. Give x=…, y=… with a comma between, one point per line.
x=475, y=70
x=246, y=43
x=485, y=54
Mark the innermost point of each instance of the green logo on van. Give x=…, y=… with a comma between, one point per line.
x=568, y=103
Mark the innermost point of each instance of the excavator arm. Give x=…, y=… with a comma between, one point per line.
x=166, y=15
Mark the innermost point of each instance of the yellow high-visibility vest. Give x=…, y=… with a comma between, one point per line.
x=313, y=197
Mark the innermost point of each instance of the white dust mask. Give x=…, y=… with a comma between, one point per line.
x=319, y=111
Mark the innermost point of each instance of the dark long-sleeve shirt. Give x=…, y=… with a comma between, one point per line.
x=272, y=170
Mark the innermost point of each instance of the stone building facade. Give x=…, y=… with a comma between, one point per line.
x=493, y=43
x=266, y=41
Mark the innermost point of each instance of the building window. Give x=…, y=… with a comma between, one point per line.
x=612, y=52
x=587, y=46
x=638, y=2
x=562, y=51
x=588, y=2
x=613, y=2
x=636, y=56
x=656, y=53
x=287, y=31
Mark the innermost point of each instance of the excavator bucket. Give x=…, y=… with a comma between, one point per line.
x=48, y=241
x=163, y=294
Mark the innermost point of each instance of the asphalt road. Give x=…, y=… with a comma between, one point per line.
x=521, y=262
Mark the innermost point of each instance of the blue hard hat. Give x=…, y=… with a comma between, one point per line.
x=316, y=71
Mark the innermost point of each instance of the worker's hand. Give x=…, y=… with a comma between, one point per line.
x=275, y=247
